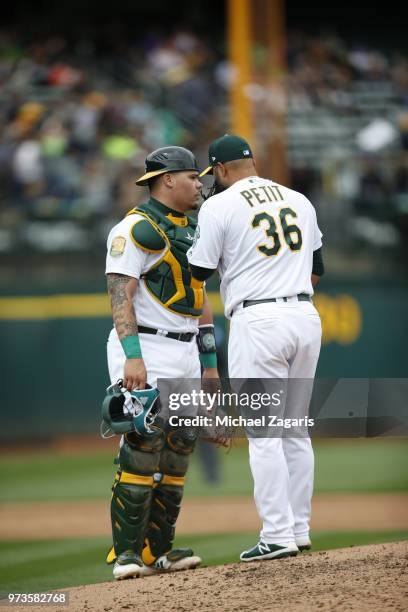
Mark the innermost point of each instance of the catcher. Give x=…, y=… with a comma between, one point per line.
x=163, y=328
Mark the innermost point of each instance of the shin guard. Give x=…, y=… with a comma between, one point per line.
x=168, y=493
x=132, y=494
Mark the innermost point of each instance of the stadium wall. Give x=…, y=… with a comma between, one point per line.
x=54, y=350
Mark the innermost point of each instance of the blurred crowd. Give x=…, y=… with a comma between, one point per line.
x=76, y=121
x=323, y=71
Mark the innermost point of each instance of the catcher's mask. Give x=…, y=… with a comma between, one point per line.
x=124, y=412
x=213, y=190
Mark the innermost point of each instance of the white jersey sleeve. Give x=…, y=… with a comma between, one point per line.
x=317, y=234
x=206, y=249
x=123, y=256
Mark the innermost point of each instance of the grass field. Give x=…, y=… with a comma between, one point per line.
x=363, y=465
x=42, y=565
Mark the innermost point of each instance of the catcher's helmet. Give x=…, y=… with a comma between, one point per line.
x=135, y=411
x=167, y=159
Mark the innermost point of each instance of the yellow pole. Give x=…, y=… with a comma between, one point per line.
x=269, y=38
x=239, y=51
x=276, y=45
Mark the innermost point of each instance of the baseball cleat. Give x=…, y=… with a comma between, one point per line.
x=176, y=560
x=269, y=551
x=303, y=544
x=127, y=566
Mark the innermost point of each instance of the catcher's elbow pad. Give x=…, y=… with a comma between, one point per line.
x=206, y=339
x=206, y=346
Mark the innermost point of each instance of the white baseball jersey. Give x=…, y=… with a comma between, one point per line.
x=124, y=257
x=261, y=237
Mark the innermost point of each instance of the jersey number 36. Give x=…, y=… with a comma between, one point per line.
x=291, y=232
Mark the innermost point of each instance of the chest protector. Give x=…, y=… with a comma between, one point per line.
x=169, y=280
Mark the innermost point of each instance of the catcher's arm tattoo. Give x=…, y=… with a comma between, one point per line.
x=122, y=290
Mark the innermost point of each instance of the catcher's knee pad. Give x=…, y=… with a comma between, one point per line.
x=168, y=493
x=132, y=492
x=179, y=445
x=141, y=454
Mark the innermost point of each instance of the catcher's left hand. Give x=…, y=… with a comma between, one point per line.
x=218, y=434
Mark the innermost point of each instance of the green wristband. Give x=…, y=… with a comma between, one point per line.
x=131, y=346
x=208, y=360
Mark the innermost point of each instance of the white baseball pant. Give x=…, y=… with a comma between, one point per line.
x=163, y=357
x=279, y=340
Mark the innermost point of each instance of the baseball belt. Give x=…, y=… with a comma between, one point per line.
x=182, y=337
x=302, y=297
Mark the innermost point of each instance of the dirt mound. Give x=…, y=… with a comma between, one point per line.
x=361, y=578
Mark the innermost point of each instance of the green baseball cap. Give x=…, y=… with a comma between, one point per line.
x=225, y=149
